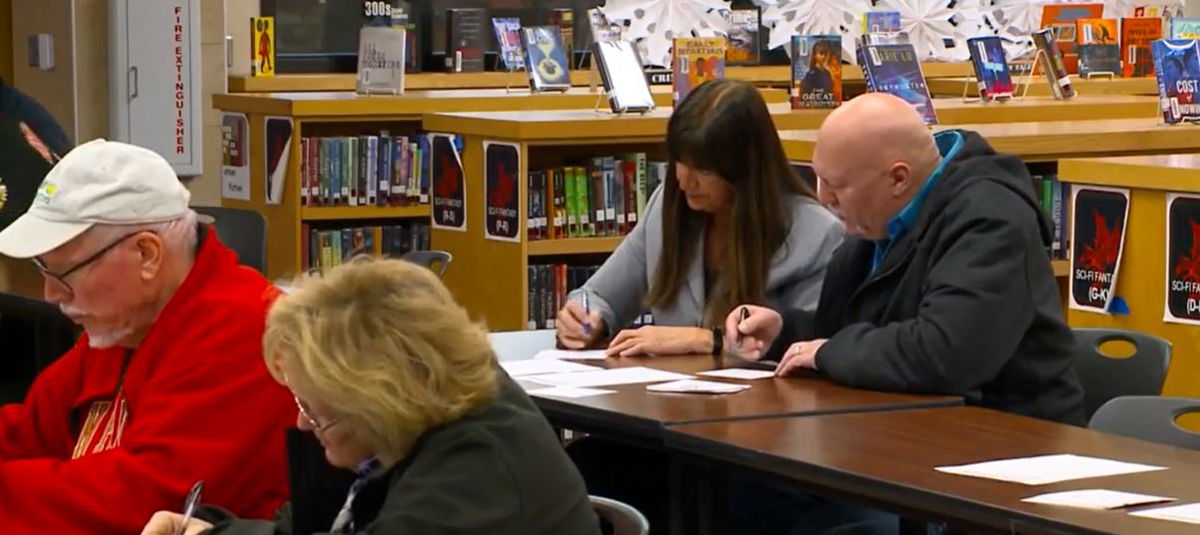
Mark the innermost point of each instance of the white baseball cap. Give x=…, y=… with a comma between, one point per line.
x=97, y=182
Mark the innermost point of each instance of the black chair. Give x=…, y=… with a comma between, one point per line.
x=437, y=261
x=35, y=334
x=620, y=517
x=1104, y=377
x=1150, y=418
x=244, y=231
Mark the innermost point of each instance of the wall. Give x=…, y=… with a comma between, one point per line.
x=81, y=57
x=237, y=24
x=6, y=55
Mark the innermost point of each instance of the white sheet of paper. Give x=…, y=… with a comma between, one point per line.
x=738, y=373
x=588, y=354
x=522, y=368
x=1045, y=469
x=1189, y=513
x=568, y=392
x=692, y=386
x=1096, y=499
x=616, y=376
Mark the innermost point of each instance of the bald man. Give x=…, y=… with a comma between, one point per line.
x=943, y=285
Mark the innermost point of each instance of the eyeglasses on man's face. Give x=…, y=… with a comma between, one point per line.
x=61, y=277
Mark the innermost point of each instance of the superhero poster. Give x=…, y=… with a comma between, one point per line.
x=502, y=164
x=1097, y=241
x=1183, y=259
x=449, y=186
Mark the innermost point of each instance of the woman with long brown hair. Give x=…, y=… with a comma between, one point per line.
x=732, y=223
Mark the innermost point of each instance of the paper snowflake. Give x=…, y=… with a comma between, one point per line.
x=1014, y=21
x=785, y=18
x=1124, y=8
x=654, y=23
x=938, y=29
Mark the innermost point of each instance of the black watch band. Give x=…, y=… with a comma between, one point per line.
x=718, y=341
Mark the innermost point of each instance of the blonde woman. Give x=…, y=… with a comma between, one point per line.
x=401, y=387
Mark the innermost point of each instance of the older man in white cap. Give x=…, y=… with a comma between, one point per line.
x=167, y=386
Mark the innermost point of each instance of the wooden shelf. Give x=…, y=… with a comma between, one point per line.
x=1062, y=268
x=326, y=213
x=1050, y=141
x=1084, y=86
x=571, y=246
x=771, y=75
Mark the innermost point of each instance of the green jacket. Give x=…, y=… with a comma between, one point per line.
x=499, y=470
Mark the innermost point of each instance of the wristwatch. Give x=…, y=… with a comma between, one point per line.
x=718, y=341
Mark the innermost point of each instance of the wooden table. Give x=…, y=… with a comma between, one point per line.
x=953, y=87
x=640, y=416
x=889, y=459
x=1048, y=141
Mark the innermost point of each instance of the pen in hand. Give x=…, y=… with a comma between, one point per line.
x=587, y=313
x=737, y=340
x=189, y=507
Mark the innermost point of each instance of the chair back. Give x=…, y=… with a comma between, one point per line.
x=244, y=231
x=1150, y=418
x=623, y=518
x=1104, y=377
x=437, y=261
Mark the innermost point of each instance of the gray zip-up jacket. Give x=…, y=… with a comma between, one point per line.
x=619, y=288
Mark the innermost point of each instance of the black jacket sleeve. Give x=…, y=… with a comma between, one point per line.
x=225, y=523
x=976, y=305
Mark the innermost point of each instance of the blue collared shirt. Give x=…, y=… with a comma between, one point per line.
x=949, y=143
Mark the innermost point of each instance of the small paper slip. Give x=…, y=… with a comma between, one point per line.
x=738, y=373
x=692, y=386
x=1189, y=513
x=590, y=354
x=1045, y=469
x=616, y=376
x=1096, y=499
x=568, y=392
x=522, y=368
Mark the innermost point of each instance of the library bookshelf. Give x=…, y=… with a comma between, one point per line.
x=495, y=288
x=1142, y=280
x=343, y=113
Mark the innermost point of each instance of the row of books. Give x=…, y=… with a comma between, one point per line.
x=604, y=198
x=374, y=170
x=549, y=285
x=324, y=248
x=1055, y=197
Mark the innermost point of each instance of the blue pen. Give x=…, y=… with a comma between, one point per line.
x=587, y=312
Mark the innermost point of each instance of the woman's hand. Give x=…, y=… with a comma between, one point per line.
x=166, y=523
x=653, y=340
x=575, y=328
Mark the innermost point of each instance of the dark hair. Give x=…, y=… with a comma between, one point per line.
x=723, y=127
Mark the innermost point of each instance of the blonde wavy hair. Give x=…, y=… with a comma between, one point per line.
x=385, y=348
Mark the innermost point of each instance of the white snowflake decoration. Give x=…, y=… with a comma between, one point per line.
x=1014, y=21
x=654, y=23
x=785, y=18
x=1124, y=8
x=938, y=29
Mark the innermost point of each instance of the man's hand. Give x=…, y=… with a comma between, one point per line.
x=651, y=340
x=570, y=323
x=799, y=355
x=166, y=522
x=758, y=330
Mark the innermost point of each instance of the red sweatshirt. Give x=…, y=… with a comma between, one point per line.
x=196, y=402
